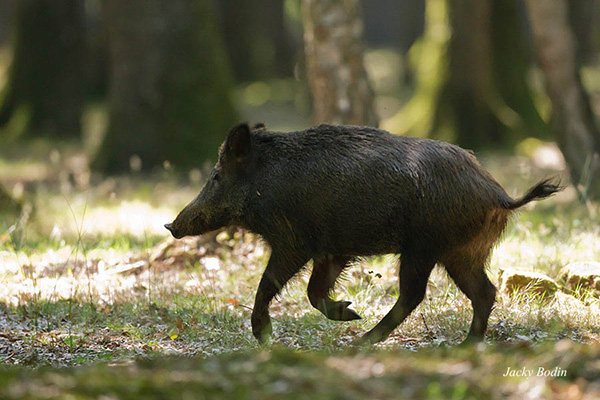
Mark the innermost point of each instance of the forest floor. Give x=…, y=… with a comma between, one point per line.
x=96, y=299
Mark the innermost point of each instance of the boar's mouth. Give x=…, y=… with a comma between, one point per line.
x=171, y=229
x=195, y=227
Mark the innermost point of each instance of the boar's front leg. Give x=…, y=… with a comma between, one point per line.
x=280, y=269
x=326, y=270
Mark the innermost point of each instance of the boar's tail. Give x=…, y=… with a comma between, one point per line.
x=543, y=189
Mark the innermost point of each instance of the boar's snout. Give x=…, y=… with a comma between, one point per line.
x=173, y=231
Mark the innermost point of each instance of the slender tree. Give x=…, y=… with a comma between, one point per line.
x=572, y=119
x=47, y=70
x=471, y=67
x=334, y=62
x=169, y=95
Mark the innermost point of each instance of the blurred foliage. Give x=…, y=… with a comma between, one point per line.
x=472, y=81
x=566, y=370
x=427, y=56
x=424, y=91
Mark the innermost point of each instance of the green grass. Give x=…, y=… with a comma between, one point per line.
x=442, y=373
x=181, y=301
x=91, y=278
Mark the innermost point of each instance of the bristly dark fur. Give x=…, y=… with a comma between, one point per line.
x=334, y=193
x=541, y=190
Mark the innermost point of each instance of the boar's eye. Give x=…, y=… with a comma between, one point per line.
x=216, y=177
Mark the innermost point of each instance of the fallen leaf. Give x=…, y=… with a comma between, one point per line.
x=233, y=302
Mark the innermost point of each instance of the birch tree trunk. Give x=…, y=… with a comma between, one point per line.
x=334, y=62
x=572, y=118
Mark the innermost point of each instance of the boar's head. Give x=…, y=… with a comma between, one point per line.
x=220, y=202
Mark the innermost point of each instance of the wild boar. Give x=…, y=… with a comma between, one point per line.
x=334, y=193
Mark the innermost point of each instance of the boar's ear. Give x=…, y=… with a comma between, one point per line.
x=259, y=126
x=239, y=142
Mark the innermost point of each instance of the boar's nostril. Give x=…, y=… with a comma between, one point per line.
x=169, y=227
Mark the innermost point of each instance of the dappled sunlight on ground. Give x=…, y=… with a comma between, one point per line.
x=130, y=218
x=93, y=275
x=182, y=292
x=565, y=370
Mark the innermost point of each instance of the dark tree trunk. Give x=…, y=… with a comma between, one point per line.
x=512, y=60
x=334, y=62
x=6, y=16
x=572, y=119
x=97, y=61
x=257, y=39
x=581, y=20
x=284, y=53
x=47, y=72
x=8, y=205
x=471, y=76
x=393, y=23
x=169, y=94
x=470, y=86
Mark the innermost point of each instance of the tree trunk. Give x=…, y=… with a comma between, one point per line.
x=471, y=76
x=393, y=23
x=47, y=72
x=582, y=23
x=257, y=39
x=334, y=62
x=470, y=85
x=6, y=15
x=97, y=60
x=511, y=62
x=572, y=118
x=8, y=205
x=169, y=89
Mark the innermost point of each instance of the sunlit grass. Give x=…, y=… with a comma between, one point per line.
x=84, y=278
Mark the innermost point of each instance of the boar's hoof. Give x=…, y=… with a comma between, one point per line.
x=472, y=339
x=262, y=331
x=339, y=311
x=368, y=338
x=264, y=335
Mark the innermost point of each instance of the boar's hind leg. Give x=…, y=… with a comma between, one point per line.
x=326, y=270
x=280, y=269
x=471, y=279
x=414, y=274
